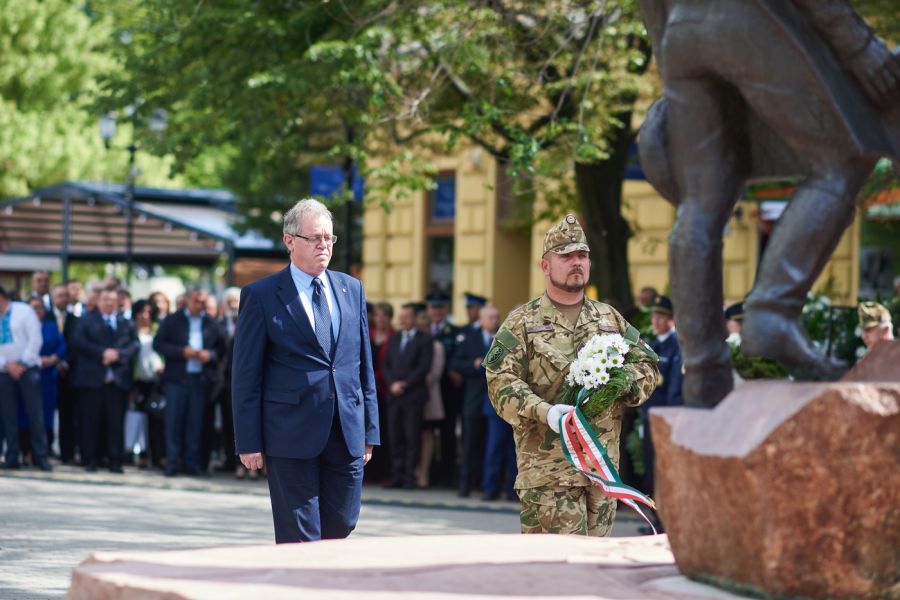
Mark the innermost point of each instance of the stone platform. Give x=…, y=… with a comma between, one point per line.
x=425, y=568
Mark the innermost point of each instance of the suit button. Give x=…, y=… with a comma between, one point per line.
x=334, y=369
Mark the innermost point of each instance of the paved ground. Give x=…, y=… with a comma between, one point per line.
x=51, y=522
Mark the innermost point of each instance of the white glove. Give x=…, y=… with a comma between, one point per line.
x=555, y=412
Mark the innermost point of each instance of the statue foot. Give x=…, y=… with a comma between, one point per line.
x=705, y=386
x=772, y=335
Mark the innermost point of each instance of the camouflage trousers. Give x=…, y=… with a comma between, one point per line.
x=579, y=510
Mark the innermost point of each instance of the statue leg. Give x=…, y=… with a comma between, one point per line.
x=803, y=241
x=709, y=176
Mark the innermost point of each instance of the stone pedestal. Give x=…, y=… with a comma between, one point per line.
x=786, y=489
x=465, y=567
x=881, y=363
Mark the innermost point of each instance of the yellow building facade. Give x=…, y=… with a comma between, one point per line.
x=400, y=246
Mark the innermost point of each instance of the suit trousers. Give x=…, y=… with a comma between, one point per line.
x=470, y=468
x=103, y=406
x=405, y=429
x=316, y=498
x=68, y=419
x=185, y=404
x=499, y=455
x=29, y=386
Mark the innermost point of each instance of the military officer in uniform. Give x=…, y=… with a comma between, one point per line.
x=526, y=369
x=671, y=374
x=474, y=304
x=875, y=322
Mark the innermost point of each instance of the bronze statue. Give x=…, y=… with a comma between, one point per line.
x=756, y=89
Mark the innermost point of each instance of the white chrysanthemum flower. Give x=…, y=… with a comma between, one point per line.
x=616, y=361
x=604, y=379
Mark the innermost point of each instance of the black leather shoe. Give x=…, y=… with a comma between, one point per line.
x=12, y=466
x=116, y=469
x=44, y=465
x=170, y=473
x=463, y=494
x=394, y=485
x=491, y=496
x=90, y=468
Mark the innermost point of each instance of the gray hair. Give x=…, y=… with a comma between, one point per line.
x=231, y=291
x=308, y=207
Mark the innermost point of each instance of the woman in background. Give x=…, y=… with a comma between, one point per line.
x=161, y=306
x=53, y=353
x=433, y=413
x=380, y=331
x=147, y=368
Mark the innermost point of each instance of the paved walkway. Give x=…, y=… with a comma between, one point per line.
x=51, y=522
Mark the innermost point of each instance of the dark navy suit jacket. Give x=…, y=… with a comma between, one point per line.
x=284, y=386
x=92, y=337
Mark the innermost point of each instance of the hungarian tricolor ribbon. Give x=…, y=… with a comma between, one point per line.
x=585, y=452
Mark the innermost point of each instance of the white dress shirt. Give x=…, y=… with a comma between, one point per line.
x=20, y=336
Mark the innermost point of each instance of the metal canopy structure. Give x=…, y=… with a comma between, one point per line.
x=82, y=221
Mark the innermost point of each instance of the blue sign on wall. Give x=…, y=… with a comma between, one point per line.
x=633, y=168
x=443, y=205
x=328, y=181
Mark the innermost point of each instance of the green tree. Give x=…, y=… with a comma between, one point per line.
x=52, y=55
x=548, y=89
x=281, y=85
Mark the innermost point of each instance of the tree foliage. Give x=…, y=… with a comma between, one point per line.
x=52, y=54
x=280, y=85
x=258, y=91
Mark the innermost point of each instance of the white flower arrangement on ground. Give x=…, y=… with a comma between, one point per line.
x=600, y=375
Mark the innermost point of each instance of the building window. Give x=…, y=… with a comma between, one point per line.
x=443, y=200
x=439, y=230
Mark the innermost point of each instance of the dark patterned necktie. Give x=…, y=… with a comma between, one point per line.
x=322, y=316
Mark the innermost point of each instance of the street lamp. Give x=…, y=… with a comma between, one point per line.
x=157, y=124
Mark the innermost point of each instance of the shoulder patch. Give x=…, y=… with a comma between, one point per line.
x=504, y=343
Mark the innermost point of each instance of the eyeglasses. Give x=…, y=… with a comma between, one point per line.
x=319, y=239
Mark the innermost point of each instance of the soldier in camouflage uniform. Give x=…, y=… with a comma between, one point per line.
x=875, y=323
x=526, y=368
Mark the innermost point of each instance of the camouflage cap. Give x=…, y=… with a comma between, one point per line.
x=566, y=236
x=873, y=314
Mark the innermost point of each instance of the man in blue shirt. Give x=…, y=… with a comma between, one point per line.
x=190, y=342
x=303, y=388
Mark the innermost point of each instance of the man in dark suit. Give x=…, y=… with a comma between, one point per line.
x=191, y=344
x=105, y=345
x=405, y=366
x=467, y=358
x=40, y=287
x=488, y=444
x=303, y=389
x=474, y=304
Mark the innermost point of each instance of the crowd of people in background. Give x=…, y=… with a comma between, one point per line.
x=438, y=427
x=93, y=378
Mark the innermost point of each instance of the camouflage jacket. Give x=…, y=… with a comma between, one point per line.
x=526, y=368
